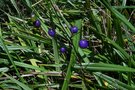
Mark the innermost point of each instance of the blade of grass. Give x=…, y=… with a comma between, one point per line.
x=104, y=67
x=11, y=19
x=91, y=16
x=84, y=86
x=34, y=63
x=56, y=53
x=28, y=66
x=15, y=5
x=10, y=58
x=114, y=82
x=118, y=15
x=124, y=7
x=28, y=3
x=76, y=37
x=69, y=71
x=4, y=69
x=118, y=32
x=109, y=24
x=126, y=55
x=124, y=2
x=29, y=37
x=58, y=12
x=17, y=82
x=86, y=60
x=44, y=27
x=111, y=42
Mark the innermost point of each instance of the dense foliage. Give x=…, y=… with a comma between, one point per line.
x=67, y=44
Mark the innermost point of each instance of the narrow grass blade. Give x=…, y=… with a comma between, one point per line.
x=34, y=38
x=92, y=17
x=4, y=69
x=84, y=86
x=15, y=5
x=34, y=63
x=10, y=58
x=28, y=66
x=77, y=36
x=104, y=67
x=69, y=71
x=86, y=60
x=114, y=82
x=56, y=53
x=28, y=3
x=126, y=55
x=118, y=15
x=118, y=32
x=19, y=83
x=124, y=7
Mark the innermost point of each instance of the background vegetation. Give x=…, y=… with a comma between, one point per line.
x=31, y=60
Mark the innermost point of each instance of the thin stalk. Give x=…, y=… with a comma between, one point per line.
x=54, y=41
x=129, y=73
x=56, y=55
x=91, y=17
x=124, y=7
x=69, y=72
x=109, y=24
x=118, y=32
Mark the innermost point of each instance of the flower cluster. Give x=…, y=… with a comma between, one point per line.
x=51, y=32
